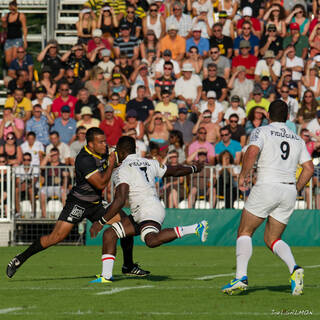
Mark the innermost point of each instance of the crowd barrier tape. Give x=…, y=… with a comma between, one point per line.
x=302, y=229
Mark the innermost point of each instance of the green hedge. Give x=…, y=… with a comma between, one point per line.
x=302, y=230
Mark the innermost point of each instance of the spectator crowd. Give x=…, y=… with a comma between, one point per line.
x=188, y=79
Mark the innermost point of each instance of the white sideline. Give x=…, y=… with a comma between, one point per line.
x=215, y=276
x=4, y=311
x=312, y=267
x=116, y=290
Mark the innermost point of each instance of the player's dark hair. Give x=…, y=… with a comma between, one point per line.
x=278, y=111
x=31, y=133
x=127, y=143
x=92, y=132
x=55, y=133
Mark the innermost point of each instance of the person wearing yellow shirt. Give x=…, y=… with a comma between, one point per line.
x=119, y=108
x=166, y=107
x=21, y=106
x=257, y=101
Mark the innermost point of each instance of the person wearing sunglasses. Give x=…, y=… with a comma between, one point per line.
x=235, y=108
x=271, y=41
x=12, y=151
x=255, y=24
x=246, y=35
x=24, y=61
x=154, y=21
x=76, y=59
x=226, y=143
x=65, y=99
x=49, y=57
x=238, y=133
x=9, y=123
x=300, y=41
x=201, y=145
x=133, y=21
x=27, y=176
x=299, y=15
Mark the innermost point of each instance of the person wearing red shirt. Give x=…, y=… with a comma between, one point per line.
x=65, y=99
x=112, y=126
x=96, y=44
x=247, y=16
x=245, y=59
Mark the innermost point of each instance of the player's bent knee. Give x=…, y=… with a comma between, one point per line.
x=147, y=230
x=119, y=229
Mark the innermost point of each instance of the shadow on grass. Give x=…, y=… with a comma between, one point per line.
x=284, y=289
x=155, y=278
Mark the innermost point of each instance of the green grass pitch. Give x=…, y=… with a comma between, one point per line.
x=185, y=284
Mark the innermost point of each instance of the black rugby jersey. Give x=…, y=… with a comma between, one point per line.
x=87, y=164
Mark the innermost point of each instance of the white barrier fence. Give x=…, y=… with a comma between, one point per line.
x=40, y=193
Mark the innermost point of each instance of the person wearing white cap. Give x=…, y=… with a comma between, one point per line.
x=197, y=41
x=215, y=107
x=85, y=25
x=205, y=21
x=106, y=64
x=96, y=44
x=181, y=20
x=247, y=16
x=188, y=88
x=173, y=42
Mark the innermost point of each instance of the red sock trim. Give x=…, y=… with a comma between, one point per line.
x=108, y=258
x=273, y=243
x=177, y=232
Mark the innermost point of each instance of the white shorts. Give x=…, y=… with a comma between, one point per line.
x=149, y=210
x=276, y=200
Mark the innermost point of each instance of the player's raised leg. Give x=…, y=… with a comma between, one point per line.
x=272, y=238
x=248, y=224
x=60, y=232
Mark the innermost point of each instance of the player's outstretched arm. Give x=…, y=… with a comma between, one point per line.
x=118, y=202
x=306, y=174
x=179, y=171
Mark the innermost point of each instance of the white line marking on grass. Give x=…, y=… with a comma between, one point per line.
x=312, y=267
x=4, y=311
x=116, y=290
x=215, y=276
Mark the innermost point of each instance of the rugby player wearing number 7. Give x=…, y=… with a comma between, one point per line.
x=273, y=197
x=135, y=178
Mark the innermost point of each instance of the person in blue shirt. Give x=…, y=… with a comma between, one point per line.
x=249, y=36
x=23, y=61
x=65, y=126
x=39, y=124
x=197, y=41
x=226, y=143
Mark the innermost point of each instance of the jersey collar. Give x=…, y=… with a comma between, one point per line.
x=93, y=154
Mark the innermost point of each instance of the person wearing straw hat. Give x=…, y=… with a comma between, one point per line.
x=87, y=120
x=268, y=66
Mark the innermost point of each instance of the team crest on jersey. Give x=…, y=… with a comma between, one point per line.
x=77, y=212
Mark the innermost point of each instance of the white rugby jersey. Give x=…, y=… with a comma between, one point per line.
x=280, y=152
x=140, y=174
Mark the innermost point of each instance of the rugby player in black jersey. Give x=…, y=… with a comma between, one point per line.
x=84, y=201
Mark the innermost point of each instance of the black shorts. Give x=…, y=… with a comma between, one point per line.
x=76, y=210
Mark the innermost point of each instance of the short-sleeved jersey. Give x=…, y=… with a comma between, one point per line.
x=281, y=150
x=140, y=174
x=87, y=164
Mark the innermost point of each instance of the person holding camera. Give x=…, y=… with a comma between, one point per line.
x=10, y=123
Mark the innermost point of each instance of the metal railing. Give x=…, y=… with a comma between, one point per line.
x=40, y=192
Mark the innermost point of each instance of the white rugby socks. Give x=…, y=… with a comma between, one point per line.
x=107, y=265
x=243, y=252
x=183, y=231
x=283, y=251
